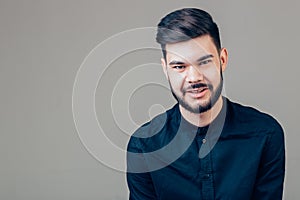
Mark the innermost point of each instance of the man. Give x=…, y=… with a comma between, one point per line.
x=205, y=147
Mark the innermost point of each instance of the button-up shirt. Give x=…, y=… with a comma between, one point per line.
x=239, y=156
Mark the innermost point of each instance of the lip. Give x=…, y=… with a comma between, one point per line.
x=198, y=93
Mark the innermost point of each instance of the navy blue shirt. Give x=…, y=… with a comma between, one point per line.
x=239, y=156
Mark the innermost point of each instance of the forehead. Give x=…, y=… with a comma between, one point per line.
x=192, y=49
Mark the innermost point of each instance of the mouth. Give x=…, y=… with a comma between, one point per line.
x=198, y=90
x=198, y=93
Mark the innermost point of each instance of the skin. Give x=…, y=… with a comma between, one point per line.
x=193, y=69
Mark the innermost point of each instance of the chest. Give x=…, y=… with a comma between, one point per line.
x=228, y=171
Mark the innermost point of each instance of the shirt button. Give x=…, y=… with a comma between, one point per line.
x=204, y=141
x=206, y=176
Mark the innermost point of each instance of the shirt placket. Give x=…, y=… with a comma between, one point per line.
x=206, y=171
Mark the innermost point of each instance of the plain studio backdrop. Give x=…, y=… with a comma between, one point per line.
x=43, y=44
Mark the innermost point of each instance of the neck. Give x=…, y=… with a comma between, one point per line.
x=205, y=118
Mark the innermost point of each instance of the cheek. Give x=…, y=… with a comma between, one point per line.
x=177, y=80
x=212, y=74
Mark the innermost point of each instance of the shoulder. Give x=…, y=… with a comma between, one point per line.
x=250, y=119
x=152, y=133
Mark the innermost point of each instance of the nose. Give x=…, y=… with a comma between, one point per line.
x=194, y=75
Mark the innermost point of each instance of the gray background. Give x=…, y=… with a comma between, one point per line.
x=43, y=43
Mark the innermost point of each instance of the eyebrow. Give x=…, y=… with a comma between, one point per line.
x=175, y=62
x=205, y=57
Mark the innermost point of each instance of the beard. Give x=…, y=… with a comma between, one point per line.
x=215, y=94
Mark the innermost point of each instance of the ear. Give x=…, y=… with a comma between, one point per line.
x=224, y=58
x=164, y=66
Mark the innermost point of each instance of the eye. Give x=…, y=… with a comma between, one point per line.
x=178, y=67
x=205, y=62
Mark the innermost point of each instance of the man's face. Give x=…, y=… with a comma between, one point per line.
x=194, y=71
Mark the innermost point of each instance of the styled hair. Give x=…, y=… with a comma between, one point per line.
x=185, y=24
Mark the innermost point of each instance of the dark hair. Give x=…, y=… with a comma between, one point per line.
x=185, y=24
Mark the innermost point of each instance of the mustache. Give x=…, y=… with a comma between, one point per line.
x=198, y=85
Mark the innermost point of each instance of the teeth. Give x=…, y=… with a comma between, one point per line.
x=198, y=91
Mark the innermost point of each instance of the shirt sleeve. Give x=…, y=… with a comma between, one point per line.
x=140, y=185
x=270, y=177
